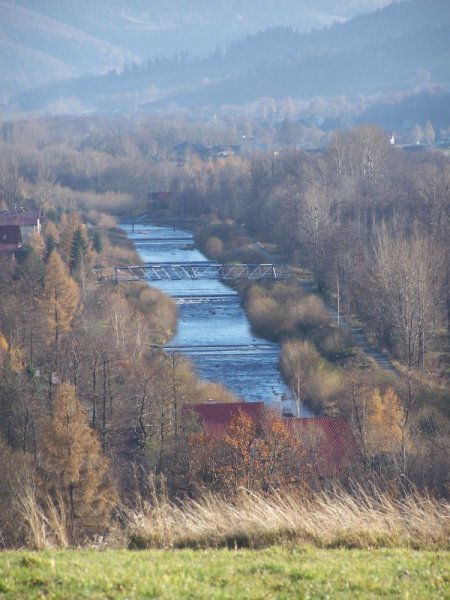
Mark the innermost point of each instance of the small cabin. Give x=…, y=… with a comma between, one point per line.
x=29, y=222
x=10, y=238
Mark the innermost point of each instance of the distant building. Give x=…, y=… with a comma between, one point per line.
x=329, y=442
x=159, y=200
x=10, y=238
x=215, y=416
x=29, y=222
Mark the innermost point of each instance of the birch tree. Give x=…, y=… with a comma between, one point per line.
x=406, y=272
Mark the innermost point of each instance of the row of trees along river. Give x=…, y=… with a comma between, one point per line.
x=213, y=329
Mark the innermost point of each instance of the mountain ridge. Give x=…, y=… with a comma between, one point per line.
x=107, y=34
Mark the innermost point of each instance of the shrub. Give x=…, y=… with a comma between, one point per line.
x=334, y=343
x=309, y=312
x=266, y=315
x=214, y=247
x=216, y=391
x=309, y=375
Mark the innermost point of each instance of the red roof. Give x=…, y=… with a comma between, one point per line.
x=329, y=442
x=26, y=218
x=10, y=238
x=214, y=416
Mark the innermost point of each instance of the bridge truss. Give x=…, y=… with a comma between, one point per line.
x=173, y=271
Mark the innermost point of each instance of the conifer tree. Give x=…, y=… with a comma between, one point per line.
x=61, y=298
x=80, y=253
x=73, y=468
x=96, y=239
x=69, y=225
x=49, y=247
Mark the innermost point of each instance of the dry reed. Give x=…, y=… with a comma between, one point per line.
x=45, y=524
x=330, y=519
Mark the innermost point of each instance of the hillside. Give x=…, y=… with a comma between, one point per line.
x=45, y=41
x=36, y=49
x=163, y=28
x=398, y=49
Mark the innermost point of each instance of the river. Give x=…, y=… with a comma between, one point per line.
x=213, y=329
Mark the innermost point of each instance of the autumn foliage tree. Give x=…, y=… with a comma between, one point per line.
x=72, y=467
x=60, y=303
x=386, y=419
x=251, y=453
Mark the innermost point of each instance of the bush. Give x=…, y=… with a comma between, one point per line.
x=334, y=343
x=214, y=247
x=310, y=312
x=266, y=315
x=215, y=391
x=311, y=377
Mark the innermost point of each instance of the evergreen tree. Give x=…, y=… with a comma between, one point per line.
x=69, y=225
x=49, y=247
x=80, y=253
x=96, y=240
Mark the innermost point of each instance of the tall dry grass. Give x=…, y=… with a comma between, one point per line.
x=335, y=518
x=330, y=519
x=44, y=523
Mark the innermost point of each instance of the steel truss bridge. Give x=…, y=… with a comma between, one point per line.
x=174, y=271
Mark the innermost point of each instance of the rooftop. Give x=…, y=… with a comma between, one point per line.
x=329, y=441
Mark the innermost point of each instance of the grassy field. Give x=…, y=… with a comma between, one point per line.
x=272, y=573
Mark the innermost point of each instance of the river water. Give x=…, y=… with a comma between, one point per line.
x=213, y=330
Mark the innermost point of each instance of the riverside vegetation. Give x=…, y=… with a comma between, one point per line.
x=90, y=410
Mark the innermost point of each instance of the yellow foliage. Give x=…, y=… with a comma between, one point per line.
x=51, y=230
x=3, y=347
x=3, y=342
x=16, y=359
x=386, y=417
x=37, y=243
x=61, y=297
x=73, y=465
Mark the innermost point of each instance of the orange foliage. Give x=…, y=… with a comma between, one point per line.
x=254, y=455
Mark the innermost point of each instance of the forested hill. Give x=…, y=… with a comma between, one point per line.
x=399, y=48
x=43, y=41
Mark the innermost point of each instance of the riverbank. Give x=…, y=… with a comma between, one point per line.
x=318, y=358
x=213, y=330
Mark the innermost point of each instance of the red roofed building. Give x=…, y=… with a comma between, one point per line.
x=10, y=238
x=329, y=442
x=29, y=221
x=214, y=417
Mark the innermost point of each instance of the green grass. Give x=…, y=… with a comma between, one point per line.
x=272, y=573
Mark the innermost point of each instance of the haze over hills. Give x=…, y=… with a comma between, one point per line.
x=388, y=55
x=46, y=40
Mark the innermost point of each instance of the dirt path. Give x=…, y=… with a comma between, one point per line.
x=358, y=334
